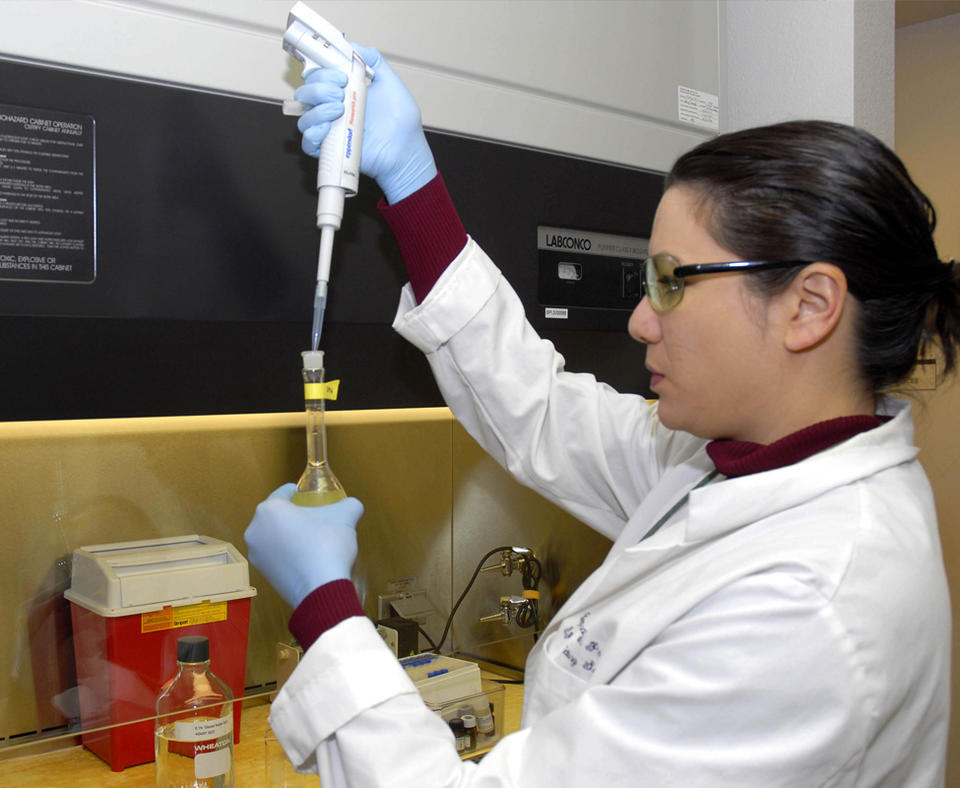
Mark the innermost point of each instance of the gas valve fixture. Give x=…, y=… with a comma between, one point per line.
x=523, y=610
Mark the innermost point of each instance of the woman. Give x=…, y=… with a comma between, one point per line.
x=774, y=610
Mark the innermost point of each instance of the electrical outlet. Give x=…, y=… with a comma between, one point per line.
x=383, y=605
x=389, y=637
x=408, y=604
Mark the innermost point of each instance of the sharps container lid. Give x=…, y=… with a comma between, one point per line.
x=193, y=648
x=131, y=578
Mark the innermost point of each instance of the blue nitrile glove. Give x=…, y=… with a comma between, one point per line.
x=395, y=151
x=299, y=548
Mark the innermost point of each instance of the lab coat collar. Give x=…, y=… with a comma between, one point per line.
x=725, y=506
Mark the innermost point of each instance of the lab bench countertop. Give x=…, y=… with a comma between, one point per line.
x=76, y=767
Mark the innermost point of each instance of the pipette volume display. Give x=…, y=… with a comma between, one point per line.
x=318, y=486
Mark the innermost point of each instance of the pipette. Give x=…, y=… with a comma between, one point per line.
x=316, y=43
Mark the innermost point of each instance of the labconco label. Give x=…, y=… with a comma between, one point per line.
x=559, y=239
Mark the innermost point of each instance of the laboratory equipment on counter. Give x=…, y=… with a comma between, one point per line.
x=194, y=724
x=454, y=689
x=316, y=43
x=129, y=604
x=318, y=485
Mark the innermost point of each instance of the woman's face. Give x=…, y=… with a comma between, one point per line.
x=712, y=359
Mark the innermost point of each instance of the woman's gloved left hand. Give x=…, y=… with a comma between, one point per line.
x=300, y=548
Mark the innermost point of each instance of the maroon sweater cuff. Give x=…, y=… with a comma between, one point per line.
x=428, y=231
x=322, y=609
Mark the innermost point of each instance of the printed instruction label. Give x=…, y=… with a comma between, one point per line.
x=47, y=196
x=699, y=108
x=400, y=585
x=183, y=616
x=203, y=729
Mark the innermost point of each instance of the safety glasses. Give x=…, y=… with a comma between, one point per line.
x=663, y=276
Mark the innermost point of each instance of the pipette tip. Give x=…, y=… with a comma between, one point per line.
x=319, y=306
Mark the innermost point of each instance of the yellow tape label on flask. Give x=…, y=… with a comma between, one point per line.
x=183, y=616
x=327, y=390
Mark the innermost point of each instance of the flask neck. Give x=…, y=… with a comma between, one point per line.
x=315, y=407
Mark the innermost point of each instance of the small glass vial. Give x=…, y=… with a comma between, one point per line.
x=460, y=737
x=194, y=726
x=318, y=485
x=470, y=728
x=486, y=727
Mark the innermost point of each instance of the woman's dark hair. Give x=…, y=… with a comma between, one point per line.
x=821, y=191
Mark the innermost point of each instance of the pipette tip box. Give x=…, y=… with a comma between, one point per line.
x=130, y=602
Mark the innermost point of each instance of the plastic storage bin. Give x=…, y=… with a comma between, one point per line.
x=486, y=707
x=453, y=688
x=129, y=604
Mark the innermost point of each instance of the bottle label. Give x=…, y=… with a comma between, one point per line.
x=212, y=744
x=203, y=730
x=211, y=764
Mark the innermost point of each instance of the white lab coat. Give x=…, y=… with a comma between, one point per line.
x=787, y=628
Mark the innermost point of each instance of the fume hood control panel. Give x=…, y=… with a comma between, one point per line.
x=588, y=280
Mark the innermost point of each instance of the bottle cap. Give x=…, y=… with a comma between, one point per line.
x=312, y=359
x=193, y=648
x=469, y=721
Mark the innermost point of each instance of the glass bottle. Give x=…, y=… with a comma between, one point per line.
x=317, y=486
x=194, y=726
x=486, y=726
x=470, y=729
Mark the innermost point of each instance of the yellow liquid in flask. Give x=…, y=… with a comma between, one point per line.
x=317, y=498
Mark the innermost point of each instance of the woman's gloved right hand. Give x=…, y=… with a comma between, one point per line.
x=395, y=151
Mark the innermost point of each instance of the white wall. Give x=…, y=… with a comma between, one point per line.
x=824, y=59
x=928, y=116
x=595, y=78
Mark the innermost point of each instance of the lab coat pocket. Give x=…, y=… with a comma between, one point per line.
x=555, y=678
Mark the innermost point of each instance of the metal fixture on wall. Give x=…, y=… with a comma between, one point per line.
x=510, y=560
x=512, y=608
x=524, y=610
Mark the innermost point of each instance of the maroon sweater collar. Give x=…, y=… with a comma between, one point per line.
x=739, y=458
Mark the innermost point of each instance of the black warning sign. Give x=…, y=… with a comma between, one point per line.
x=47, y=196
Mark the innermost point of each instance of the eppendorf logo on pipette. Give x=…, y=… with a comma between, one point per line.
x=350, y=122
